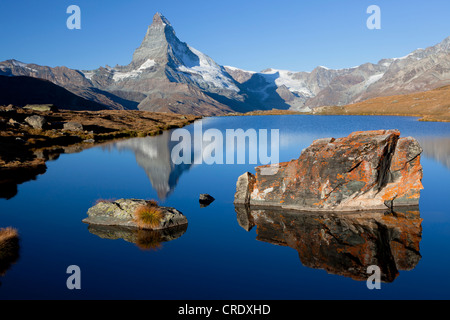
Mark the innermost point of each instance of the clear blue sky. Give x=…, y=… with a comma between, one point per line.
x=296, y=35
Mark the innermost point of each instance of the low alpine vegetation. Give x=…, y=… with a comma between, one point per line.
x=148, y=216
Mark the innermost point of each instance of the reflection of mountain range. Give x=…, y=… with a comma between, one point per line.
x=153, y=154
x=343, y=244
x=437, y=148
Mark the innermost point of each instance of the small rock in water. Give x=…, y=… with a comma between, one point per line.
x=123, y=212
x=205, y=200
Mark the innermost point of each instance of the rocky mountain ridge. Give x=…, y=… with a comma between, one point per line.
x=166, y=74
x=421, y=70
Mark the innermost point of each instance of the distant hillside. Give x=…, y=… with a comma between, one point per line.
x=433, y=105
x=22, y=90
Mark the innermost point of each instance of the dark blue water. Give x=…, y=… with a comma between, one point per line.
x=215, y=258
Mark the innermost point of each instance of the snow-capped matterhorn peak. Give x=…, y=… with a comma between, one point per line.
x=159, y=19
x=182, y=63
x=156, y=40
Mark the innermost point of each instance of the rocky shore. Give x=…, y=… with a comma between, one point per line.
x=32, y=135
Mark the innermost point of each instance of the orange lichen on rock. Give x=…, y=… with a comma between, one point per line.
x=363, y=171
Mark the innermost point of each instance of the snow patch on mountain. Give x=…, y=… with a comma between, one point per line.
x=372, y=79
x=407, y=56
x=119, y=76
x=147, y=64
x=206, y=71
x=238, y=69
x=20, y=64
x=17, y=63
x=88, y=74
x=286, y=78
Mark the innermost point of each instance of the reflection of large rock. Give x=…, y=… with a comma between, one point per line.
x=342, y=243
x=437, y=148
x=364, y=171
x=153, y=154
x=144, y=239
x=122, y=213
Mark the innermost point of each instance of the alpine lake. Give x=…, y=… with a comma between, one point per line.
x=217, y=256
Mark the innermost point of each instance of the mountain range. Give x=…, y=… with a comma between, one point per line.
x=167, y=75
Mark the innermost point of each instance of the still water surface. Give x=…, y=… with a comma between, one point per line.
x=216, y=257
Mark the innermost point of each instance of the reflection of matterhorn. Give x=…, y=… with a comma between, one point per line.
x=153, y=154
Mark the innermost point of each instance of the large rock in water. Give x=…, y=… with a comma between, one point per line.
x=122, y=213
x=364, y=171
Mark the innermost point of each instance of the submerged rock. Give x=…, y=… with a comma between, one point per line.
x=122, y=213
x=364, y=171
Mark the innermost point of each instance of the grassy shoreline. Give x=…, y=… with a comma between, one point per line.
x=432, y=105
x=425, y=118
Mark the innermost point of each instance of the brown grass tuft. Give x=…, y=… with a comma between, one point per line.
x=152, y=203
x=148, y=216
